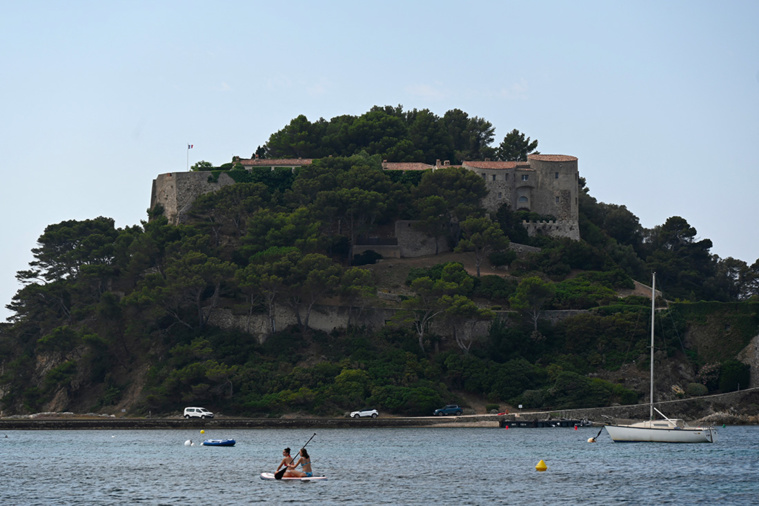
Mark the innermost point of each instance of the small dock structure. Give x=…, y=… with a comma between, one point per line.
x=535, y=423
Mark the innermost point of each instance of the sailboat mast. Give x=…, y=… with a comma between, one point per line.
x=653, y=308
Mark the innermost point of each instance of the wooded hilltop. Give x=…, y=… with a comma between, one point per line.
x=111, y=319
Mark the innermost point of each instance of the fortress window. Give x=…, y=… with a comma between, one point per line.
x=500, y=195
x=525, y=177
x=522, y=199
x=493, y=177
x=485, y=177
x=557, y=200
x=556, y=175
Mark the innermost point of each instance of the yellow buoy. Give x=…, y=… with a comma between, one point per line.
x=202, y=431
x=541, y=466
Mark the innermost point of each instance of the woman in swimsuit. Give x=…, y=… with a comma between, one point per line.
x=286, y=461
x=305, y=463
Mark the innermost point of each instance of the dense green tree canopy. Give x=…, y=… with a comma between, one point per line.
x=481, y=236
x=682, y=262
x=515, y=147
x=461, y=189
x=108, y=310
x=68, y=246
x=531, y=296
x=389, y=132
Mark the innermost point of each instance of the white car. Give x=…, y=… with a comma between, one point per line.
x=197, y=413
x=365, y=412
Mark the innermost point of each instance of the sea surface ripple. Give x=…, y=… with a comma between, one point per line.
x=375, y=466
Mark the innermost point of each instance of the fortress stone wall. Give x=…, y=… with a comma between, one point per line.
x=544, y=184
x=559, y=228
x=409, y=243
x=328, y=318
x=176, y=191
x=415, y=243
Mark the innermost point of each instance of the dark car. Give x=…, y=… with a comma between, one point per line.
x=450, y=409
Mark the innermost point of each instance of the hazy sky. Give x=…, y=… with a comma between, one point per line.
x=658, y=100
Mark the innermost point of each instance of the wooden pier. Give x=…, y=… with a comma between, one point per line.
x=532, y=424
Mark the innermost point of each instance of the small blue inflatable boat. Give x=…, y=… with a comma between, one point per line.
x=219, y=442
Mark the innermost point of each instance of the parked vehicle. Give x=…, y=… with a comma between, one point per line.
x=197, y=413
x=450, y=409
x=365, y=413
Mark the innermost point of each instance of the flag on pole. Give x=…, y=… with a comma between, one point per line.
x=189, y=147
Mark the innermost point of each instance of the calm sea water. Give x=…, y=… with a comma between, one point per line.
x=375, y=466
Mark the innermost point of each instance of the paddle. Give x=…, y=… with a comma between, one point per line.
x=279, y=474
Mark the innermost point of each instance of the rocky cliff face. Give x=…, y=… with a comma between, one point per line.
x=750, y=355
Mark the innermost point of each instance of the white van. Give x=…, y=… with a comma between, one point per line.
x=197, y=413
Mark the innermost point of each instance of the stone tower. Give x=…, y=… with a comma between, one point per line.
x=544, y=184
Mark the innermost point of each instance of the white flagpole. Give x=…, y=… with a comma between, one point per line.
x=188, y=157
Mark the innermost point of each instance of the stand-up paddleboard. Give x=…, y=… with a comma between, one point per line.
x=270, y=476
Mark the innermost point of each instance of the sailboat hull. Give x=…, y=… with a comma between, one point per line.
x=659, y=431
x=632, y=434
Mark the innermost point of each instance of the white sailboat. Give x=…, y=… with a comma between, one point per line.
x=659, y=431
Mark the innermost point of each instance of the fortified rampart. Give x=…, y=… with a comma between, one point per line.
x=556, y=186
x=176, y=191
x=409, y=243
x=328, y=318
x=559, y=228
x=544, y=184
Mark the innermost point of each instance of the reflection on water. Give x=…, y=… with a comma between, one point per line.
x=376, y=466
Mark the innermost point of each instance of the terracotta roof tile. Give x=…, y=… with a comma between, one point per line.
x=275, y=162
x=490, y=165
x=406, y=166
x=552, y=158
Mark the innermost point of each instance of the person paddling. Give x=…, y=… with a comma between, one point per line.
x=286, y=461
x=305, y=463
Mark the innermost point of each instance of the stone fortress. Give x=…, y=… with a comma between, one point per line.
x=544, y=184
x=176, y=191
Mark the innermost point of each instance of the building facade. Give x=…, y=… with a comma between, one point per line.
x=544, y=184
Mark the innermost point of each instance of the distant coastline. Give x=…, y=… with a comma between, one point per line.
x=78, y=422
x=718, y=409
